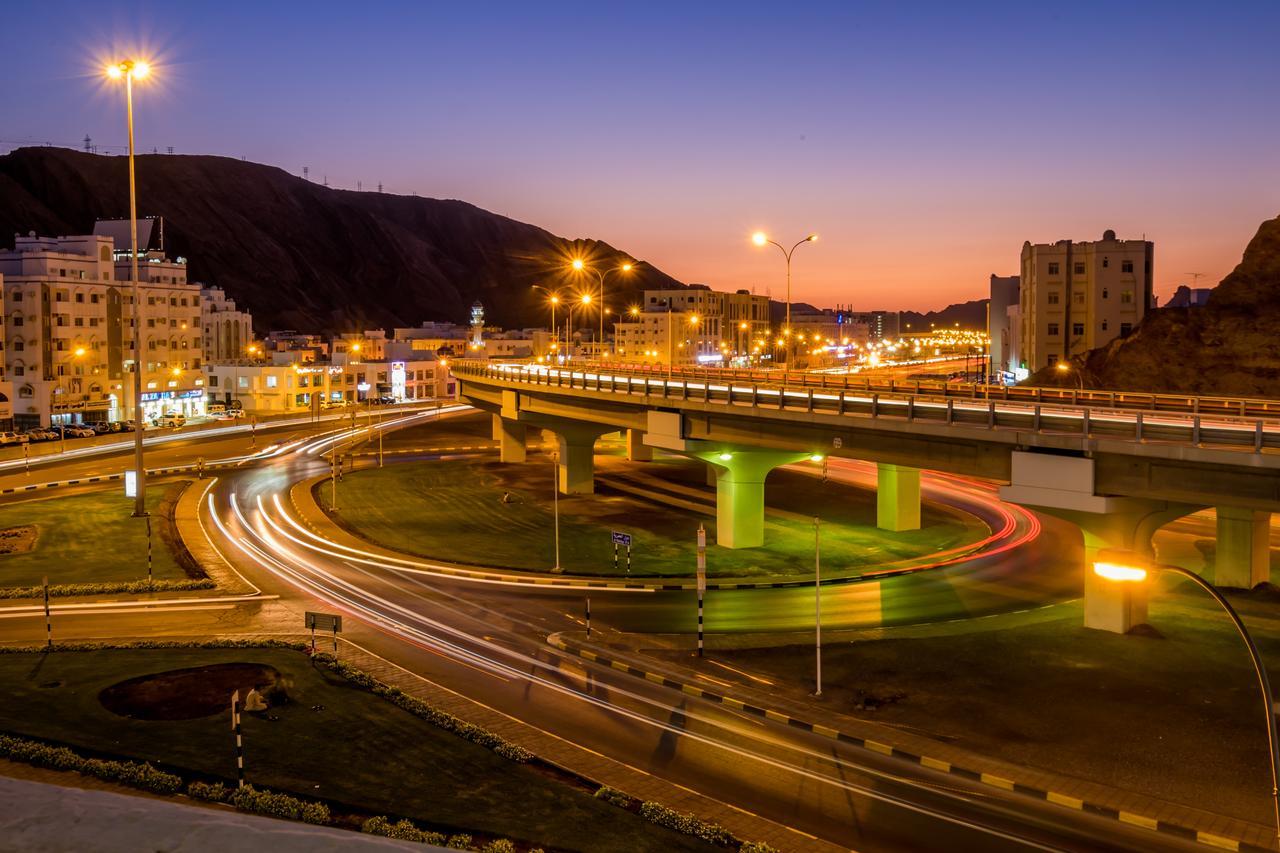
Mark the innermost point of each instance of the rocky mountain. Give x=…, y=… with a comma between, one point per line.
x=1231, y=346
x=970, y=315
x=303, y=256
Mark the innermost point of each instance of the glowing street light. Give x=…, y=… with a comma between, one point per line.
x=762, y=239
x=1127, y=567
x=553, y=299
x=580, y=265
x=130, y=70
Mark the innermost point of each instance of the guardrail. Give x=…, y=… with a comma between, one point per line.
x=1227, y=431
x=1244, y=407
x=39, y=452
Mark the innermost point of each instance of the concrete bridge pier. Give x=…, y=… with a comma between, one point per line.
x=897, y=497
x=637, y=450
x=1063, y=486
x=510, y=436
x=1242, y=556
x=576, y=444
x=740, y=476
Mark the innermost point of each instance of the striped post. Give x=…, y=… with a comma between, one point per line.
x=235, y=727
x=149, y=562
x=628, y=561
x=588, y=617
x=48, y=623
x=702, y=580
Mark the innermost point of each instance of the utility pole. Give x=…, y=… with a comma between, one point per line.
x=817, y=600
x=702, y=580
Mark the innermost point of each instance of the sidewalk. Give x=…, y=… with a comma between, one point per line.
x=740, y=693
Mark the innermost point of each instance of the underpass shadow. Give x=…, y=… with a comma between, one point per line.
x=667, y=742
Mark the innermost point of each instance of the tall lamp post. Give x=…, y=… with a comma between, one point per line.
x=762, y=239
x=585, y=301
x=130, y=70
x=1064, y=368
x=1126, y=567
x=581, y=266
x=62, y=428
x=553, y=299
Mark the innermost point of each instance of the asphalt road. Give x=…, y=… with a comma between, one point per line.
x=487, y=642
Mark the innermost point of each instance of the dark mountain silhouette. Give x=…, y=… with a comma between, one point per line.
x=303, y=256
x=1231, y=346
x=970, y=315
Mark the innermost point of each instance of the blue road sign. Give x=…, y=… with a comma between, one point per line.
x=623, y=539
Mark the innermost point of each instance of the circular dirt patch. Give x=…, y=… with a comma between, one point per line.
x=186, y=694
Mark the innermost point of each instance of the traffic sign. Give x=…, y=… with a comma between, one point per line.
x=324, y=622
x=623, y=539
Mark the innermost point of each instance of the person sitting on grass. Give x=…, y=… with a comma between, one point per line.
x=507, y=498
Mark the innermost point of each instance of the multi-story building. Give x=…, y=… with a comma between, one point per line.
x=659, y=336
x=6, y=387
x=228, y=330
x=704, y=326
x=1078, y=296
x=1002, y=326
x=69, y=326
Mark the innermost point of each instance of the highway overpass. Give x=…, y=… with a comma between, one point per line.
x=1119, y=466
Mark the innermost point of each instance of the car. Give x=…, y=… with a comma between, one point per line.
x=41, y=434
x=170, y=419
x=385, y=400
x=13, y=439
x=80, y=431
x=100, y=428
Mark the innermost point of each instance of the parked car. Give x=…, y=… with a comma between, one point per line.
x=80, y=431
x=41, y=434
x=385, y=400
x=170, y=419
x=13, y=439
x=100, y=428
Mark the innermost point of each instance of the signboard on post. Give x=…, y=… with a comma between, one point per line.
x=324, y=622
x=623, y=539
x=130, y=484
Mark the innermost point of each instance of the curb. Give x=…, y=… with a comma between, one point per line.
x=105, y=478
x=1164, y=827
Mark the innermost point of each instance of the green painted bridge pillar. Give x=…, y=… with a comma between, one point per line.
x=897, y=497
x=740, y=476
x=1242, y=557
x=511, y=439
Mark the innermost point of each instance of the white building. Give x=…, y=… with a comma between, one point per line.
x=228, y=330
x=694, y=325
x=69, y=328
x=1078, y=296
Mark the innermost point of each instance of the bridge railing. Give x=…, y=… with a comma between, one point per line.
x=1193, y=429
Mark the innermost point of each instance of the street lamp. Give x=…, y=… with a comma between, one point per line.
x=762, y=239
x=580, y=266
x=130, y=70
x=1064, y=368
x=1127, y=567
x=553, y=299
x=585, y=301
x=77, y=353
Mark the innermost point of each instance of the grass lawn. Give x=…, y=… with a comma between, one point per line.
x=1176, y=716
x=88, y=539
x=452, y=510
x=360, y=750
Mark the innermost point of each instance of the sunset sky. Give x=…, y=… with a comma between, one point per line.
x=923, y=144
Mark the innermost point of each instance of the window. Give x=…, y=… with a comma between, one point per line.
x=1104, y=293
x=79, y=297
x=1053, y=269
x=93, y=299
x=1053, y=330
x=1125, y=329
x=1106, y=262
x=1053, y=297
x=17, y=296
x=1126, y=266
x=60, y=296
x=1077, y=298
x=213, y=380
x=1126, y=297
x=1053, y=359
x=17, y=321
x=18, y=346
x=1104, y=325
x=271, y=380
x=1079, y=268
x=1077, y=329
x=79, y=321
x=243, y=381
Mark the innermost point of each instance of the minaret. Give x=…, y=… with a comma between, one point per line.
x=477, y=326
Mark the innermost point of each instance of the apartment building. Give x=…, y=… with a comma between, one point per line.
x=69, y=326
x=1003, y=329
x=227, y=330
x=694, y=325
x=262, y=388
x=1075, y=296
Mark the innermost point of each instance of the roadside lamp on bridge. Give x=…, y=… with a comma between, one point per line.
x=1064, y=368
x=762, y=239
x=553, y=299
x=129, y=70
x=1127, y=567
x=580, y=265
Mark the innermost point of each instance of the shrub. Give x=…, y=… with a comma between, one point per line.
x=131, y=773
x=687, y=824
x=499, y=845
x=107, y=588
x=461, y=841
x=271, y=804
x=616, y=797
x=156, y=644
x=756, y=847
x=216, y=793
x=403, y=830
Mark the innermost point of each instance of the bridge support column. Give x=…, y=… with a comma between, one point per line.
x=511, y=439
x=637, y=450
x=1243, y=552
x=576, y=443
x=495, y=431
x=740, y=476
x=897, y=497
x=1063, y=486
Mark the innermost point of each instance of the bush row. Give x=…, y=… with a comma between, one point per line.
x=156, y=644
x=405, y=830
x=109, y=588
x=683, y=823
x=268, y=803
x=129, y=773
x=418, y=708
